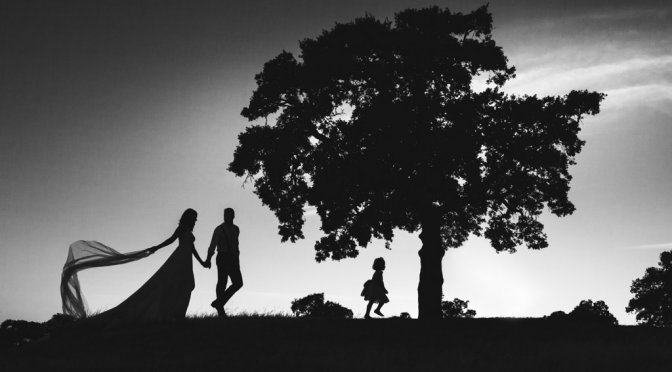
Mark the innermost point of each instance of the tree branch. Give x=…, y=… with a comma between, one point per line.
x=317, y=134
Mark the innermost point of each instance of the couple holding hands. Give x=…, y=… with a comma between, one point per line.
x=166, y=295
x=224, y=241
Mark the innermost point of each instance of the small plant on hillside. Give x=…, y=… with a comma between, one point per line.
x=557, y=315
x=593, y=312
x=59, y=321
x=313, y=306
x=457, y=309
x=653, y=294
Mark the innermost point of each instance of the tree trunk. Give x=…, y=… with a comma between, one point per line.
x=430, y=288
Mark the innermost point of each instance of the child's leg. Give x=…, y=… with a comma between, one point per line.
x=377, y=311
x=368, y=309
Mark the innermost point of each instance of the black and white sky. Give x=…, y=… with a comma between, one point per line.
x=115, y=116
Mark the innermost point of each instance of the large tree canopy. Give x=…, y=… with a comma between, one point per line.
x=378, y=126
x=653, y=294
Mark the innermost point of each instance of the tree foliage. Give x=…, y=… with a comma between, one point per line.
x=593, y=312
x=457, y=309
x=653, y=294
x=313, y=306
x=378, y=127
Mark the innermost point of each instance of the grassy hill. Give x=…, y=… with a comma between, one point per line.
x=273, y=344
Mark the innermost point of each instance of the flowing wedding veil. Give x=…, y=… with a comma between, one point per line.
x=84, y=254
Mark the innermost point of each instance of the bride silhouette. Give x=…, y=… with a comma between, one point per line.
x=165, y=296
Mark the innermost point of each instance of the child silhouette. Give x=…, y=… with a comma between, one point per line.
x=374, y=289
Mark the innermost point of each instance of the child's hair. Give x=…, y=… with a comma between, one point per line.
x=379, y=263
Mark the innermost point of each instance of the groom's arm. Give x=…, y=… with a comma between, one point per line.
x=213, y=245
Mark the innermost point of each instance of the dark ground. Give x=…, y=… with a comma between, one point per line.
x=279, y=344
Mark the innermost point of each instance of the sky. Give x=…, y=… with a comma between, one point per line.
x=116, y=116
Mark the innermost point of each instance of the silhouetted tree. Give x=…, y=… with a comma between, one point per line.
x=457, y=309
x=313, y=306
x=593, y=312
x=377, y=126
x=653, y=294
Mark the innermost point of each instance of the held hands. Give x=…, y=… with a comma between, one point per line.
x=206, y=264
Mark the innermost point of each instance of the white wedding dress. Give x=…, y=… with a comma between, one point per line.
x=165, y=296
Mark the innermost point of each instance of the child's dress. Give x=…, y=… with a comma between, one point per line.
x=374, y=289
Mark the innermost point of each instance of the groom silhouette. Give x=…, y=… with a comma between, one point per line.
x=225, y=240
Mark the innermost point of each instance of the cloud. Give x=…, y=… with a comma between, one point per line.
x=631, y=83
x=554, y=78
x=563, y=21
x=623, y=50
x=625, y=14
x=656, y=96
x=659, y=246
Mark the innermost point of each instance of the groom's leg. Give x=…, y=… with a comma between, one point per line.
x=236, y=281
x=222, y=279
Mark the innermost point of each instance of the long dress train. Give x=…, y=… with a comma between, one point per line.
x=165, y=296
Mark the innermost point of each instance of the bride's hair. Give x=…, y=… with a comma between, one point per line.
x=188, y=219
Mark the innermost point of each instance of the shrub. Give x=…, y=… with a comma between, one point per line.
x=557, y=315
x=457, y=309
x=313, y=306
x=593, y=312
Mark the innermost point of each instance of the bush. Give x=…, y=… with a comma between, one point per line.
x=313, y=306
x=593, y=312
x=18, y=332
x=557, y=315
x=457, y=309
